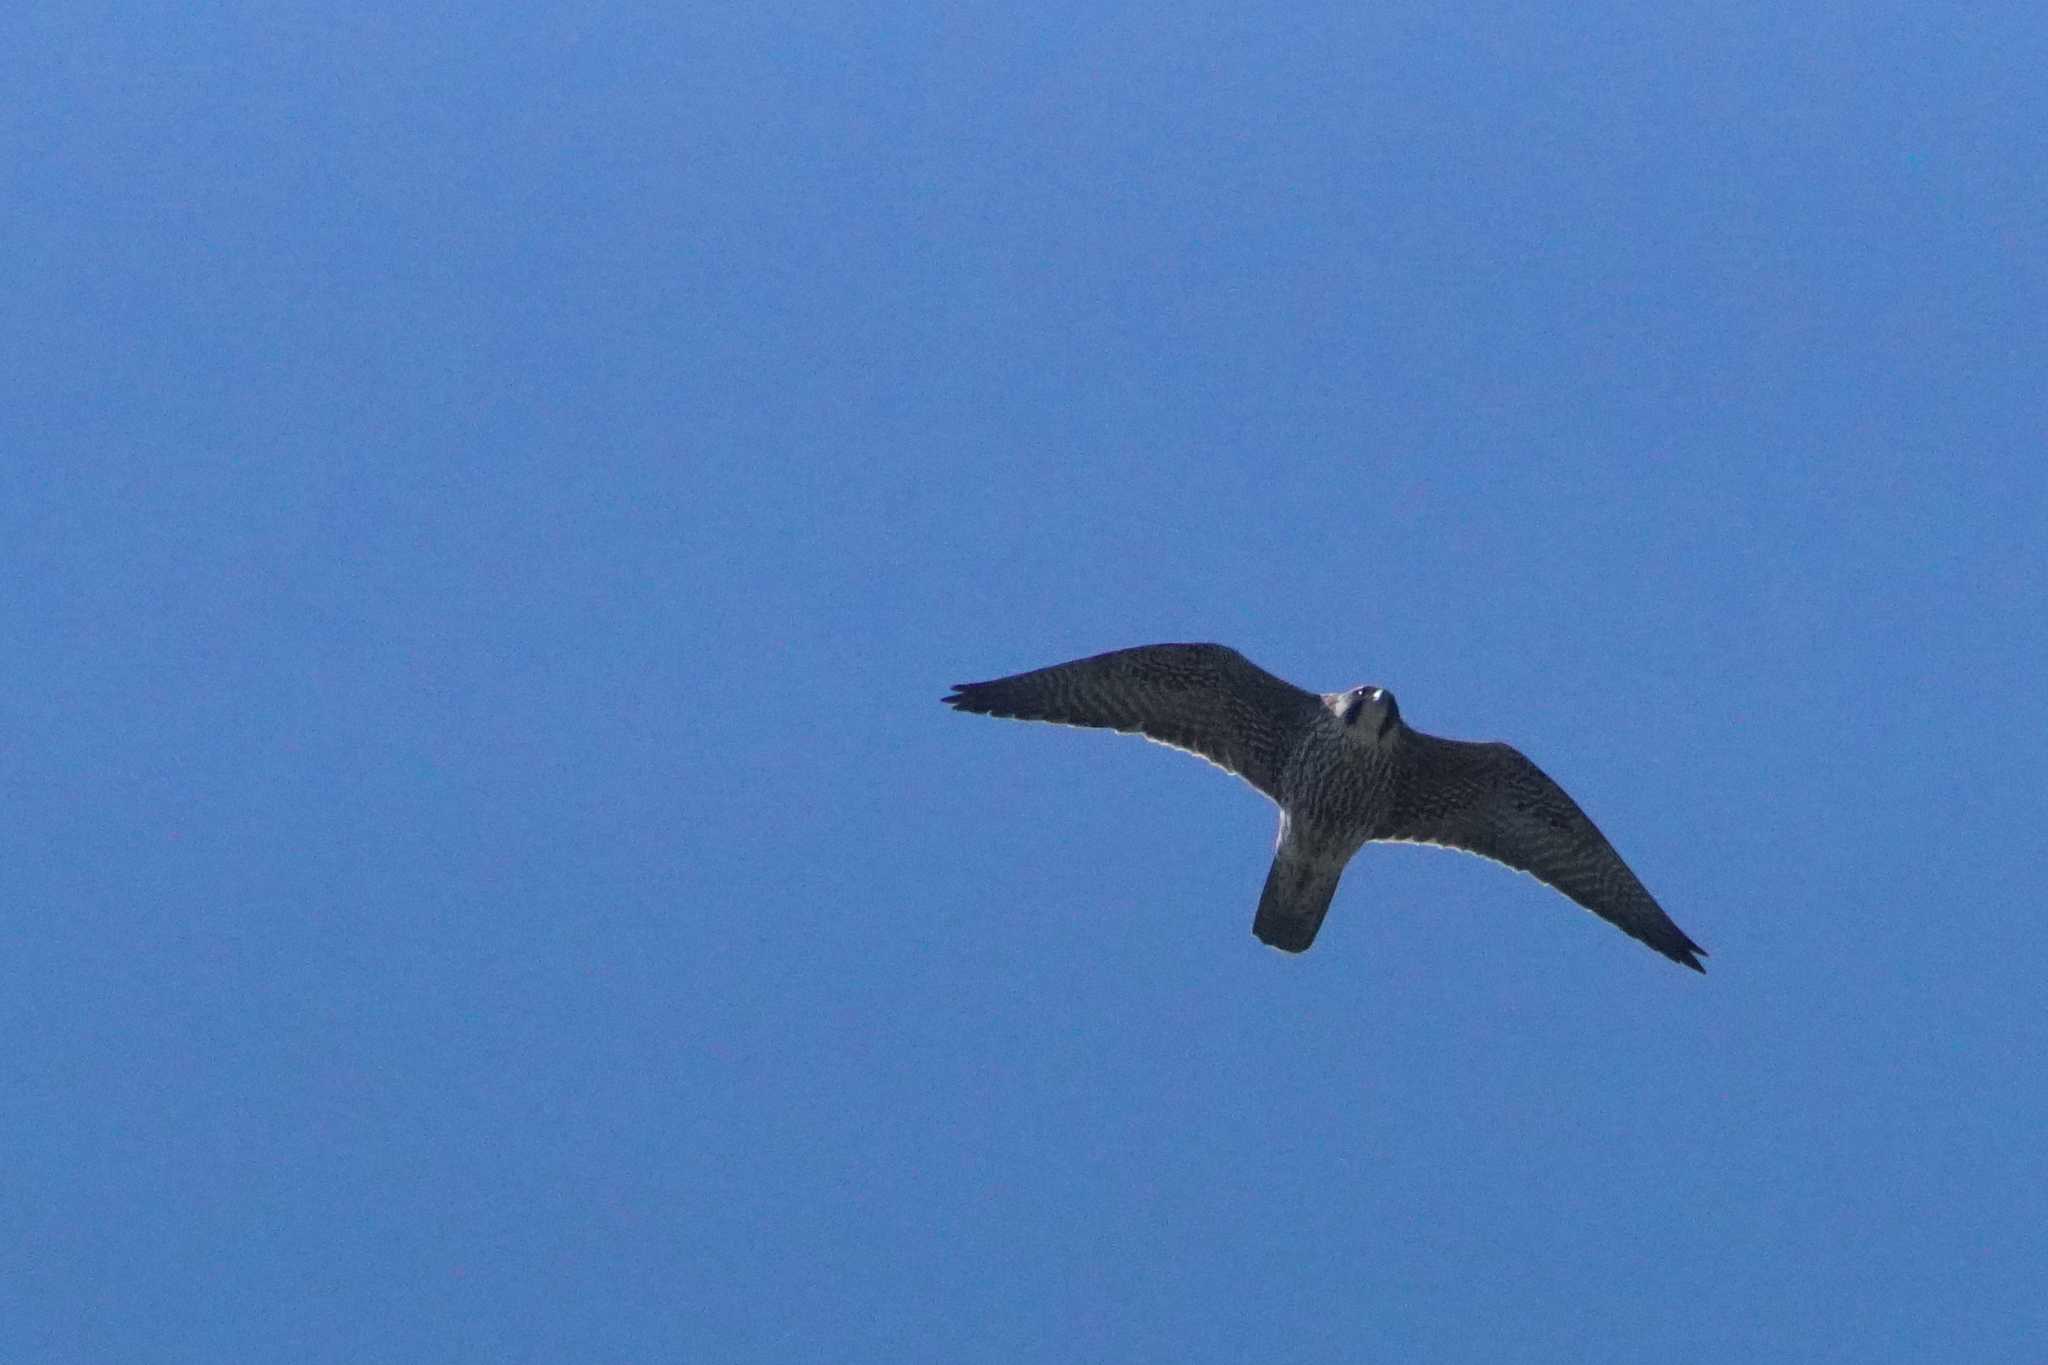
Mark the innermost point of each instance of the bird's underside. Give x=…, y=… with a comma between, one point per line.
x=1345, y=771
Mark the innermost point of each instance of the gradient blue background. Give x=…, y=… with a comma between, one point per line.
x=489, y=505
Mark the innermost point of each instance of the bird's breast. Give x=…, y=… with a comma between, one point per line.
x=1336, y=788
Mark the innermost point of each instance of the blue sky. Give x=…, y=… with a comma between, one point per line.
x=489, y=505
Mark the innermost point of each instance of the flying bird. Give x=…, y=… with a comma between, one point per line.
x=1346, y=771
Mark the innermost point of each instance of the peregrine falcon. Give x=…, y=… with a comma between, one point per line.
x=1345, y=771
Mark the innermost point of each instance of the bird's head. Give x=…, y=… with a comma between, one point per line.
x=1369, y=713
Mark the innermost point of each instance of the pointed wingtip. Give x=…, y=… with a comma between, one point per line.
x=988, y=699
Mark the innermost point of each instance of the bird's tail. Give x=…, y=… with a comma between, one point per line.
x=1297, y=896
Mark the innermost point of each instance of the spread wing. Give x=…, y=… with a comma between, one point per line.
x=1207, y=699
x=1490, y=800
